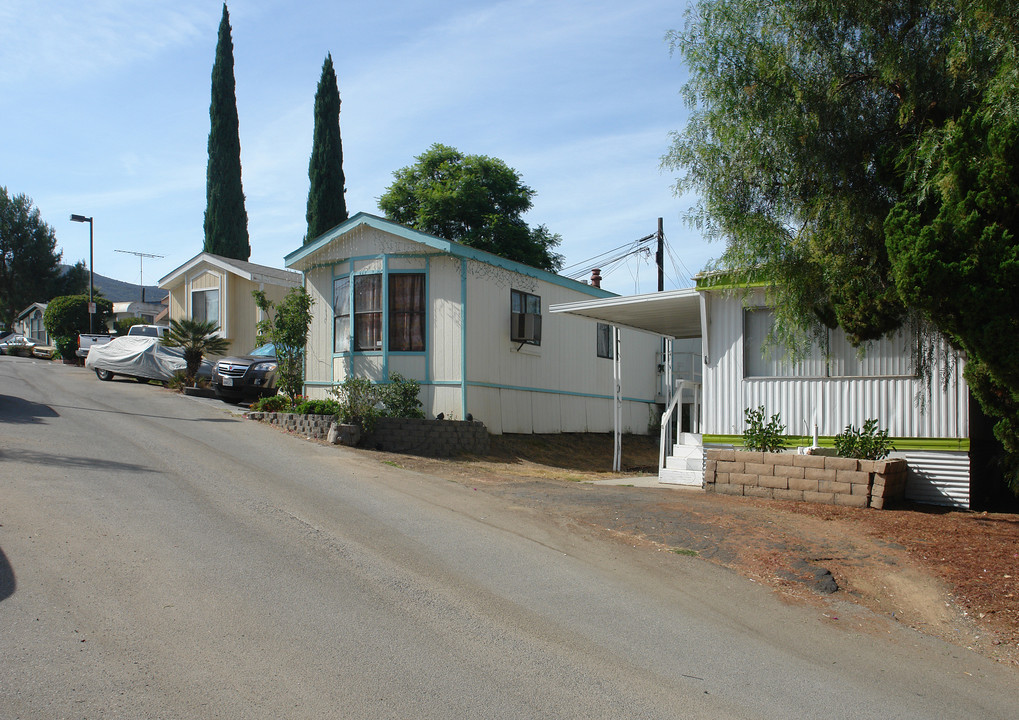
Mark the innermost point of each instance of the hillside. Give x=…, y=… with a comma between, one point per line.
x=120, y=291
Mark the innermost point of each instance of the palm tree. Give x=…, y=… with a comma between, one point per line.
x=197, y=339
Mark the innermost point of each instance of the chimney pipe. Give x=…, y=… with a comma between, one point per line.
x=596, y=277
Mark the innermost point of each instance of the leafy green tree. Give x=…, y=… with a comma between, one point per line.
x=29, y=260
x=197, y=338
x=327, y=206
x=67, y=316
x=226, y=220
x=286, y=327
x=860, y=158
x=122, y=325
x=471, y=199
x=72, y=281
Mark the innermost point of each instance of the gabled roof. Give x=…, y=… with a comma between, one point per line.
x=455, y=249
x=30, y=308
x=247, y=270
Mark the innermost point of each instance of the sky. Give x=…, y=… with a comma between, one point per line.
x=104, y=110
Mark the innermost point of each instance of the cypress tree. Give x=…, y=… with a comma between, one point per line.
x=327, y=207
x=226, y=221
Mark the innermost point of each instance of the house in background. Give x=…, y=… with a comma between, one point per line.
x=29, y=323
x=825, y=391
x=473, y=328
x=210, y=287
x=147, y=311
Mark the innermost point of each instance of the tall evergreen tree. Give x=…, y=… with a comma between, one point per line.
x=327, y=207
x=226, y=221
x=29, y=259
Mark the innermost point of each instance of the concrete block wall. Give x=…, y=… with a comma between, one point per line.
x=805, y=478
x=430, y=438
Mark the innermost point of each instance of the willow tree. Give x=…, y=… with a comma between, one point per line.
x=860, y=158
x=327, y=206
x=226, y=220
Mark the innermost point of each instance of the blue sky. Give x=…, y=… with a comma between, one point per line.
x=105, y=113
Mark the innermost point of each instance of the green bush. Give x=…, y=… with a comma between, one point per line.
x=762, y=436
x=360, y=402
x=400, y=397
x=122, y=325
x=317, y=407
x=866, y=443
x=273, y=403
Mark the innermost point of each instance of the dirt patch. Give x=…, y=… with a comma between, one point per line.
x=948, y=573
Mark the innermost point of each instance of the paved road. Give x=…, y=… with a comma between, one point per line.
x=161, y=558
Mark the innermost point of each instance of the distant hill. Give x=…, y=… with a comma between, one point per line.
x=120, y=291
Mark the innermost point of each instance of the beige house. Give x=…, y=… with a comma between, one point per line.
x=211, y=287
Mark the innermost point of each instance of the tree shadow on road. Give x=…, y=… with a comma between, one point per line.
x=18, y=410
x=7, y=583
x=70, y=461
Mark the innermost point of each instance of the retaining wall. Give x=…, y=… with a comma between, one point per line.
x=412, y=436
x=805, y=478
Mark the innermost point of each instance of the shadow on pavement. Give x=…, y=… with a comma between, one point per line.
x=17, y=410
x=7, y=583
x=70, y=461
x=133, y=414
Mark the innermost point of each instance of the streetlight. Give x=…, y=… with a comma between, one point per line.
x=91, y=305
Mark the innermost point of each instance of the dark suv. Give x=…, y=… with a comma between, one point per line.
x=246, y=377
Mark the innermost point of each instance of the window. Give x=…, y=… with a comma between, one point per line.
x=407, y=312
x=605, y=344
x=525, y=317
x=406, y=308
x=341, y=315
x=205, y=305
x=367, y=312
x=833, y=357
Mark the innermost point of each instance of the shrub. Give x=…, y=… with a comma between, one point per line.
x=400, y=397
x=122, y=325
x=317, y=407
x=866, y=443
x=761, y=436
x=67, y=316
x=273, y=403
x=360, y=402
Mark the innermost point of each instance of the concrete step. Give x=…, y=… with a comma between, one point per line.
x=685, y=463
x=686, y=438
x=687, y=451
x=681, y=477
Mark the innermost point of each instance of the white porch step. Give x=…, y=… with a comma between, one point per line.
x=693, y=478
x=686, y=438
x=693, y=462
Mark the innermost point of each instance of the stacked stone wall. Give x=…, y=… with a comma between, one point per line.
x=412, y=436
x=805, y=478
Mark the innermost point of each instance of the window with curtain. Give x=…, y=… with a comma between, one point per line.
x=368, y=312
x=407, y=312
x=604, y=340
x=205, y=305
x=341, y=314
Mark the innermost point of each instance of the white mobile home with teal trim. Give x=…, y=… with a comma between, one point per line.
x=472, y=328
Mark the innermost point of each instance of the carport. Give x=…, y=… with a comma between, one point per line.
x=672, y=314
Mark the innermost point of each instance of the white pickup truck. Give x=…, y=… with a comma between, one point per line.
x=87, y=340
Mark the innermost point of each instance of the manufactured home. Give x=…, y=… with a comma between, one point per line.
x=474, y=329
x=816, y=396
x=211, y=287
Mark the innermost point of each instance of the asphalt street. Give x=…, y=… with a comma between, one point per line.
x=161, y=557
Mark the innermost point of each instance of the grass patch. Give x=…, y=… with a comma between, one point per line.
x=684, y=551
x=391, y=463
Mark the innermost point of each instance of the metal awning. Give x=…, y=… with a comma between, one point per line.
x=674, y=313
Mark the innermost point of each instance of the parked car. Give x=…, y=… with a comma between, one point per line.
x=246, y=377
x=86, y=341
x=140, y=357
x=148, y=330
x=16, y=344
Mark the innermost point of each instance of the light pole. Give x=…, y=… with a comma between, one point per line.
x=91, y=305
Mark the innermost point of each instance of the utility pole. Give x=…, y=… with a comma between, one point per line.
x=660, y=256
x=141, y=274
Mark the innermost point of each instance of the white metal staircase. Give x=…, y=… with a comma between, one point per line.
x=682, y=462
x=684, y=465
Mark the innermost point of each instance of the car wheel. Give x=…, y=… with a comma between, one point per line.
x=104, y=375
x=143, y=381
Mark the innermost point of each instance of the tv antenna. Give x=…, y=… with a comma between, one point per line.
x=141, y=273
